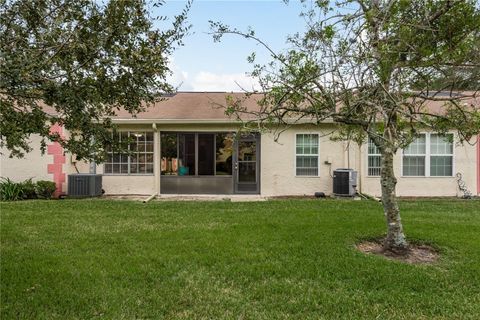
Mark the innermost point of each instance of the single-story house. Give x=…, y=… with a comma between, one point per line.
x=187, y=145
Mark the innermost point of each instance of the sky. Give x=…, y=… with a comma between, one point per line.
x=203, y=65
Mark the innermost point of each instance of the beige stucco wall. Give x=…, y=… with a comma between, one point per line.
x=114, y=184
x=277, y=166
x=278, y=163
x=464, y=162
x=33, y=165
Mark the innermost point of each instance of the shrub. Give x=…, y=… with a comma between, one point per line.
x=28, y=188
x=10, y=191
x=45, y=189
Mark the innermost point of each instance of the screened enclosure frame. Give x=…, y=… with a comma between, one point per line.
x=196, y=148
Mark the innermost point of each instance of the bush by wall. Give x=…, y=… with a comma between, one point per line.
x=28, y=189
x=10, y=191
x=45, y=189
x=14, y=191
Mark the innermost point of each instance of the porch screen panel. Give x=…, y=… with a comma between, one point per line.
x=186, y=154
x=206, y=154
x=223, y=153
x=196, y=154
x=169, y=150
x=247, y=161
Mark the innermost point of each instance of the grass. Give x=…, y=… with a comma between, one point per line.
x=92, y=259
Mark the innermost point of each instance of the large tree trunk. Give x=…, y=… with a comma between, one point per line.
x=395, y=240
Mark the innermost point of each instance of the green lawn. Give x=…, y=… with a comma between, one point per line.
x=91, y=259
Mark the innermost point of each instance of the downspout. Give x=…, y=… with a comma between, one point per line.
x=93, y=165
x=348, y=154
x=153, y=196
x=345, y=155
x=478, y=164
x=360, y=167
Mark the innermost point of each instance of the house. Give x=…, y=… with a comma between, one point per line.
x=187, y=145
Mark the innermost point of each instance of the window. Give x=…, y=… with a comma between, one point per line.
x=306, y=155
x=138, y=159
x=201, y=154
x=441, y=155
x=414, y=157
x=429, y=155
x=374, y=159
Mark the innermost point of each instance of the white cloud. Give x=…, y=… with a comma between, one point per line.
x=178, y=78
x=209, y=81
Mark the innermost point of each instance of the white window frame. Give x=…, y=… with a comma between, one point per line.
x=424, y=155
x=442, y=155
x=295, y=155
x=129, y=133
x=428, y=154
x=372, y=155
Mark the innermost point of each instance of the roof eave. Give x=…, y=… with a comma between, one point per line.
x=205, y=121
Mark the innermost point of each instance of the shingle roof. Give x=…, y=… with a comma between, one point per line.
x=194, y=106
x=210, y=106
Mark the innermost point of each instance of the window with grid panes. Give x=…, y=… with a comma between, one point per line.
x=139, y=160
x=441, y=155
x=306, y=155
x=429, y=155
x=374, y=159
x=414, y=157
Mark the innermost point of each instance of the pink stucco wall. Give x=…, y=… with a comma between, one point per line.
x=56, y=167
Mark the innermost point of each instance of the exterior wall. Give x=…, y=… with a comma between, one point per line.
x=279, y=179
x=115, y=184
x=464, y=162
x=278, y=163
x=277, y=166
x=33, y=165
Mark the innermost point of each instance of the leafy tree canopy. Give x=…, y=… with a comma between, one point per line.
x=377, y=68
x=74, y=63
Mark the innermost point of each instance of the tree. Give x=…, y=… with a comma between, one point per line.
x=74, y=63
x=372, y=67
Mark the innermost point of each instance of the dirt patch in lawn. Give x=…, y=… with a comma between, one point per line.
x=417, y=253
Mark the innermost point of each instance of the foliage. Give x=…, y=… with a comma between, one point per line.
x=75, y=63
x=10, y=191
x=14, y=191
x=373, y=67
x=286, y=259
x=45, y=189
x=28, y=189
